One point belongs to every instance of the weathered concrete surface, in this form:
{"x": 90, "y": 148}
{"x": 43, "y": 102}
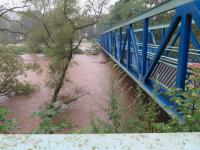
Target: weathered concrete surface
{"x": 180, "y": 141}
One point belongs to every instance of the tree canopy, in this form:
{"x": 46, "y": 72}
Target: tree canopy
{"x": 124, "y": 10}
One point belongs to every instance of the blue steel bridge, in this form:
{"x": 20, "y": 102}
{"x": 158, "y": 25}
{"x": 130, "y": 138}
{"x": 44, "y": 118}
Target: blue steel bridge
{"x": 158, "y": 54}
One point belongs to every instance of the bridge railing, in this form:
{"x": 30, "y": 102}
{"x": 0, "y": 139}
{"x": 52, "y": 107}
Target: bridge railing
{"x": 159, "y": 54}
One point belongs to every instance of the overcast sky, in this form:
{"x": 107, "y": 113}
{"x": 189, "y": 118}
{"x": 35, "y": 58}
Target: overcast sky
{"x": 15, "y": 3}
{"x": 18, "y": 2}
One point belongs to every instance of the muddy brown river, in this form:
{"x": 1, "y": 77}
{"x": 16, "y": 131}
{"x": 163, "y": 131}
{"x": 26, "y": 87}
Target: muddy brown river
{"x": 89, "y": 74}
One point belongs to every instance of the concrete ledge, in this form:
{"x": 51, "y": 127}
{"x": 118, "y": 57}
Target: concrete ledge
{"x": 174, "y": 141}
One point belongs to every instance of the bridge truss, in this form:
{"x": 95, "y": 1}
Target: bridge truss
{"x": 153, "y": 54}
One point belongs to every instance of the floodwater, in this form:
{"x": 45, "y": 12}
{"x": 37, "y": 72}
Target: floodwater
{"x": 89, "y": 75}
{"x": 22, "y": 107}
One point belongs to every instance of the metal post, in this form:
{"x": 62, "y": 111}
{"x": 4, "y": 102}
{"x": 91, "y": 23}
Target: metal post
{"x": 163, "y": 33}
{"x": 111, "y": 42}
{"x": 145, "y": 46}
{"x": 120, "y": 40}
{"x": 129, "y": 47}
{"x": 183, "y": 51}
{"x": 116, "y": 43}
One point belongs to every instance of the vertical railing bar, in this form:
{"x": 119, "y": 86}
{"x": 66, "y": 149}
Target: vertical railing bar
{"x": 135, "y": 48}
{"x": 129, "y": 46}
{"x": 145, "y": 36}
{"x": 124, "y": 46}
{"x": 120, "y": 50}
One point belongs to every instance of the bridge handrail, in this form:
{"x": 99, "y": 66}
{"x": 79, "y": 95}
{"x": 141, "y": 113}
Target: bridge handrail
{"x": 162, "y": 26}
{"x": 171, "y": 48}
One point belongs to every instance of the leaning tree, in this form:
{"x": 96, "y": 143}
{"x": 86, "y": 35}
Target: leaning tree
{"x": 61, "y": 30}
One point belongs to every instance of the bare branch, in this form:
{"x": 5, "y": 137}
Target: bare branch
{"x": 3, "y": 11}
{"x": 44, "y": 40}
{"x": 74, "y": 99}
{"x": 79, "y": 42}
{"x": 41, "y": 20}
{"x": 15, "y": 21}
{"x": 8, "y": 30}
{"x": 97, "y": 15}
{"x": 65, "y": 14}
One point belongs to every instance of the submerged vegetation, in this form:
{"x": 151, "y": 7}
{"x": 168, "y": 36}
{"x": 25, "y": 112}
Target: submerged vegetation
{"x": 138, "y": 116}
{"x": 142, "y": 116}
{"x": 12, "y": 68}
{"x": 51, "y": 121}
{"x": 6, "y": 124}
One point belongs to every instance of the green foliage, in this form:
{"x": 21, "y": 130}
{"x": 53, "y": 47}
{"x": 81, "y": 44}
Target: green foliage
{"x": 142, "y": 115}
{"x": 60, "y": 31}
{"x": 11, "y": 68}
{"x": 124, "y": 10}
{"x": 6, "y": 125}
{"x": 94, "y": 50}
{"x": 78, "y": 51}
{"x": 120, "y": 12}
{"x": 18, "y": 49}
{"x": 99, "y": 126}
{"x": 113, "y": 111}
{"x": 55, "y": 70}
{"x": 52, "y": 30}
{"x": 15, "y": 49}
{"x": 139, "y": 117}
{"x": 24, "y": 88}
{"x": 48, "y": 123}
{"x": 33, "y": 42}
{"x": 187, "y": 102}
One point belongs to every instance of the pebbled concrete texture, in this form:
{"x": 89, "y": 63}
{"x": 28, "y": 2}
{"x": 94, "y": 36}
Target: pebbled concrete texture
{"x": 174, "y": 141}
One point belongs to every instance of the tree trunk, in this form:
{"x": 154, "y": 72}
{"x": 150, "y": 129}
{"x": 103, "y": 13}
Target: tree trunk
{"x": 60, "y": 82}
{"x": 62, "y": 77}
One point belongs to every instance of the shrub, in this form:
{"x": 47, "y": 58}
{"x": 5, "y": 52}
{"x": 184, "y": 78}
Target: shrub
{"x": 187, "y": 102}
{"x": 78, "y": 51}
{"x": 113, "y": 111}
{"x": 142, "y": 116}
{"x": 6, "y": 125}
{"x": 11, "y": 68}
{"x": 48, "y": 123}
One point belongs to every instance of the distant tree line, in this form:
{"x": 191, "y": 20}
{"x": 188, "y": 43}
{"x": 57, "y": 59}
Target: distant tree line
{"x": 124, "y": 10}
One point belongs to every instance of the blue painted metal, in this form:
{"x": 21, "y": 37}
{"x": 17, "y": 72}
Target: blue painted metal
{"x": 163, "y": 32}
{"x": 194, "y": 40}
{"x": 153, "y": 37}
{"x": 163, "y": 45}
{"x": 133, "y": 40}
{"x": 124, "y": 46}
{"x": 145, "y": 47}
{"x": 120, "y": 40}
{"x": 129, "y": 48}
{"x": 174, "y": 41}
{"x": 175, "y": 38}
{"x": 183, "y": 51}
{"x": 146, "y": 62}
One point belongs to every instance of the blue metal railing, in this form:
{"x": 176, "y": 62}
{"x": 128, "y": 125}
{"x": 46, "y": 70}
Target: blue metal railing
{"x": 156, "y": 60}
